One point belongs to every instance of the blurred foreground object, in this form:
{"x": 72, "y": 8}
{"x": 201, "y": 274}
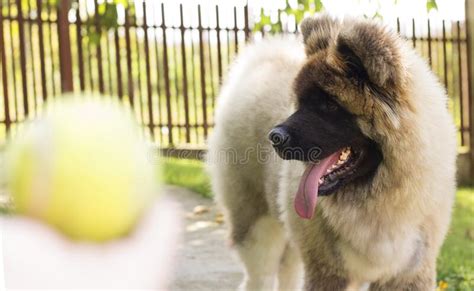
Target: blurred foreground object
{"x": 83, "y": 168}
{"x": 37, "y": 257}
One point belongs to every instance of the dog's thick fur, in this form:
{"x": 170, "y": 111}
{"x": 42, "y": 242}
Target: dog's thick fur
{"x": 384, "y": 234}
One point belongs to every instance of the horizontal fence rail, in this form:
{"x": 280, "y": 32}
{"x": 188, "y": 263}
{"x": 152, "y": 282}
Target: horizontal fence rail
{"x": 166, "y": 61}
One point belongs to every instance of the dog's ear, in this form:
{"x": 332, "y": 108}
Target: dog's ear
{"x": 370, "y": 55}
{"x": 319, "y": 32}
{"x": 370, "y": 51}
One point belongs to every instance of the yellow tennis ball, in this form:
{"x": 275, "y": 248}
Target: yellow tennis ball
{"x": 83, "y": 168}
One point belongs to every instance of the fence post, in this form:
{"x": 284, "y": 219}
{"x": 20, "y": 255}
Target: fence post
{"x": 3, "y": 69}
{"x": 21, "y": 35}
{"x": 202, "y": 71}
{"x": 246, "y": 22}
{"x": 98, "y": 30}
{"x": 65, "y": 55}
{"x": 470, "y": 47}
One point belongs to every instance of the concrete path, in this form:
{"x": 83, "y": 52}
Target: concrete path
{"x": 204, "y": 262}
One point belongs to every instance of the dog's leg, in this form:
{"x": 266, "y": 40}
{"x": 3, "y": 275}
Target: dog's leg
{"x": 325, "y": 282}
{"x": 322, "y": 272}
{"x": 423, "y": 280}
{"x": 291, "y": 271}
{"x": 261, "y": 253}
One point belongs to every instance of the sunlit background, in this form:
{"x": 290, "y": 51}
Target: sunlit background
{"x": 168, "y": 67}
{"x": 388, "y": 9}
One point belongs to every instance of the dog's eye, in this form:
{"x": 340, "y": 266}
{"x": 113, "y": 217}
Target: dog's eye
{"x": 330, "y": 106}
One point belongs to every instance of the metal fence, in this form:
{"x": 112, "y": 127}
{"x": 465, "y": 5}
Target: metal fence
{"x": 166, "y": 61}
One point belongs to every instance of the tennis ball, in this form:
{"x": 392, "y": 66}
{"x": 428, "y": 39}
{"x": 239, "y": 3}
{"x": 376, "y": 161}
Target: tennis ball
{"x": 83, "y": 168}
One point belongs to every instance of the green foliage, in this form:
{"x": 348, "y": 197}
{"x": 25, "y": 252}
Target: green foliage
{"x": 431, "y": 4}
{"x": 265, "y": 21}
{"x": 107, "y": 16}
{"x": 456, "y": 261}
{"x": 303, "y": 8}
{"x": 309, "y": 7}
{"x": 107, "y": 19}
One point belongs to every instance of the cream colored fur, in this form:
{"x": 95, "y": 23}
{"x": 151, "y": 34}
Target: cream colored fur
{"x": 391, "y": 237}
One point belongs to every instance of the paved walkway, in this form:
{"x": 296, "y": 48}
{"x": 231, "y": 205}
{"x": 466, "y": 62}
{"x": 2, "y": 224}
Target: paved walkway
{"x": 204, "y": 262}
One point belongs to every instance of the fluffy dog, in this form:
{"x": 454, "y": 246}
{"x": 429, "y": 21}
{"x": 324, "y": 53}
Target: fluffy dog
{"x": 338, "y": 153}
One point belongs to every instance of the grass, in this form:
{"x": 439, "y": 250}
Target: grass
{"x": 187, "y": 173}
{"x": 455, "y": 263}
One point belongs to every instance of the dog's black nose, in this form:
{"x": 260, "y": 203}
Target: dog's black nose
{"x": 279, "y": 137}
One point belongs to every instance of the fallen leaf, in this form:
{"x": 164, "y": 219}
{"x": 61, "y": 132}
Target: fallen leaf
{"x": 219, "y": 218}
{"x": 470, "y": 234}
{"x": 200, "y": 209}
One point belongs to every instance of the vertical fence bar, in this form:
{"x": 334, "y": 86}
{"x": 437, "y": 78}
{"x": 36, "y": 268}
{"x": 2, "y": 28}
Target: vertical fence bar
{"x": 151, "y": 123}
{"x": 203, "y": 72}
{"x": 12, "y": 50}
{"x": 166, "y": 75}
{"x": 246, "y": 22}
{"x": 413, "y": 33}
{"x": 195, "y": 93}
{"x": 89, "y": 64}
{"x": 430, "y": 61}
{"x": 445, "y": 57}
{"x": 280, "y": 24}
{"x": 228, "y": 44}
{"x": 6, "y": 102}
{"x": 219, "y": 49}
{"x": 32, "y": 56}
{"x": 51, "y": 50}
{"x": 109, "y": 61}
{"x": 21, "y": 36}
{"x": 118, "y": 65}
{"x": 469, "y": 8}
{"x": 285, "y": 29}
{"x": 461, "y": 111}
{"x": 158, "y": 80}
{"x": 176, "y": 85}
{"x": 80, "y": 53}
{"x": 65, "y": 55}
{"x": 44, "y": 88}
{"x": 398, "y": 25}
{"x": 211, "y": 70}
{"x": 185, "y": 75}
{"x": 437, "y": 40}
{"x": 453, "y": 60}
{"x": 139, "y": 71}
{"x": 129, "y": 59}
{"x": 236, "y": 31}
{"x": 99, "y": 47}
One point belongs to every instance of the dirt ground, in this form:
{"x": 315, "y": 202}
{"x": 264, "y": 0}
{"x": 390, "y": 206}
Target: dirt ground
{"x": 204, "y": 262}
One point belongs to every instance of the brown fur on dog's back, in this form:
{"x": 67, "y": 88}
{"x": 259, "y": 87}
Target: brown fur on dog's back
{"x": 385, "y": 232}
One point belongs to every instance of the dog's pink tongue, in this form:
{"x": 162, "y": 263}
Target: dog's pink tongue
{"x": 307, "y": 195}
